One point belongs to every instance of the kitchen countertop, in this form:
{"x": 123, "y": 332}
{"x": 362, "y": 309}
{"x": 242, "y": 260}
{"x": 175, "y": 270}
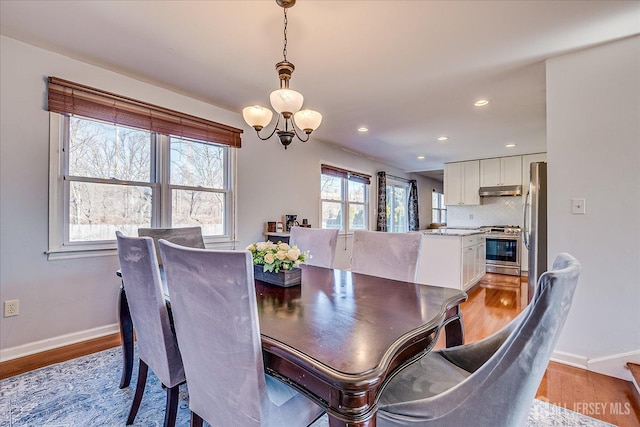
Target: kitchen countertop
{"x": 452, "y": 232}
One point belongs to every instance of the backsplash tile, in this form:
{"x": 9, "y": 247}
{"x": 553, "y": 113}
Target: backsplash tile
{"x": 492, "y": 211}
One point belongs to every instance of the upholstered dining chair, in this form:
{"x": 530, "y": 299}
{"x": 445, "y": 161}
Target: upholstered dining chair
{"x": 157, "y": 345}
{"x": 491, "y": 382}
{"x": 390, "y": 255}
{"x": 184, "y": 236}
{"x": 320, "y": 242}
{"x": 216, "y": 321}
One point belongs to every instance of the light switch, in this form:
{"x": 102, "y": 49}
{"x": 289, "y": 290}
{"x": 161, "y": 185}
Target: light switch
{"x": 577, "y": 206}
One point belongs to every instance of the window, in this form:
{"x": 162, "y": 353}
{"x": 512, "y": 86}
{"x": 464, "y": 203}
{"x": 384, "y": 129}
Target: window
{"x": 397, "y": 204}
{"x": 438, "y": 208}
{"x": 344, "y": 191}
{"x": 107, "y": 176}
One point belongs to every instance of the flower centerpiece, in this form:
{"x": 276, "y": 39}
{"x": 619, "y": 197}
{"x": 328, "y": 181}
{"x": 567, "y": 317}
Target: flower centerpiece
{"x": 276, "y": 262}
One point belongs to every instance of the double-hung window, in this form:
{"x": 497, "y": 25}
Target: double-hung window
{"x": 438, "y": 208}
{"x": 344, "y": 198}
{"x": 108, "y": 176}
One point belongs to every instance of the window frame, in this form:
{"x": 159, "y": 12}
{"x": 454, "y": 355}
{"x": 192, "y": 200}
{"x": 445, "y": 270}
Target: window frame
{"x": 392, "y": 183}
{"x": 60, "y": 247}
{"x": 440, "y": 207}
{"x": 345, "y": 200}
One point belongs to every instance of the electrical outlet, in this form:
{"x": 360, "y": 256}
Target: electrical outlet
{"x": 11, "y": 308}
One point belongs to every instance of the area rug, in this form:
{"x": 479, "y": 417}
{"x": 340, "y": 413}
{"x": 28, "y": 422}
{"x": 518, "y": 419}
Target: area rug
{"x": 84, "y": 392}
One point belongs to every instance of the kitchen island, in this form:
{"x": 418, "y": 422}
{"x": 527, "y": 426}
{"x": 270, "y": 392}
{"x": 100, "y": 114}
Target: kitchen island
{"x": 452, "y": 257}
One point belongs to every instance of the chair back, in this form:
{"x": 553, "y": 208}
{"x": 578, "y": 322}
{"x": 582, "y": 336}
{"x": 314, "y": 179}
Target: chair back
{"x": 500, "y": 391}
{"x": 390, "y": 255}
{"x": 321, "y": 244}
{"x": 157, "y": 345}
{"x": 184, "y": 236}
{"x": 216, "y": 319}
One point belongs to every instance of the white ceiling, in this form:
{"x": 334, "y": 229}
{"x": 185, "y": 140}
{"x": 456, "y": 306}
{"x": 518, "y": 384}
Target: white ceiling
{"x": 408, "y": 70}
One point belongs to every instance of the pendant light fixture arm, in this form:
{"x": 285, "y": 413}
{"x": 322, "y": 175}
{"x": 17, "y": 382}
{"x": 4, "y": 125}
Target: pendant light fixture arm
{"x": 272, "y": 132}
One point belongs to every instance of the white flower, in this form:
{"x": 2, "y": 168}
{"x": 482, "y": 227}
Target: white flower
{"x": 281, "y": 255}
{"x": 283, "y": 247}
{"x": 269, "y": 258}
{"x": 262, "y": 246}
{"x": 251, "y": 248}
{"x": 293, "y": 254}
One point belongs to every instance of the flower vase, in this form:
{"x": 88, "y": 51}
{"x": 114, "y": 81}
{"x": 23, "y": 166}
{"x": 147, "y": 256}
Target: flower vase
{"x": 284, "y": 278}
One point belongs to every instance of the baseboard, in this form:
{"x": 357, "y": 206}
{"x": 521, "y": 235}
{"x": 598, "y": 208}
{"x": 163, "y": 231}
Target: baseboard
{"x": 56, "y": 342}
{"x": 613, "y": 366}
{"x": 38, "y": 360}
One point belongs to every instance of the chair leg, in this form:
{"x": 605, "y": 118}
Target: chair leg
{"x": 196, "y": 420}
{"x": 143, "y": 368}
{"x": 171, "y": 409}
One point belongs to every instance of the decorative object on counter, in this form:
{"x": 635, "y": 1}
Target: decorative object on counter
{"x": 276, "y": 263}
{"x": 279, "y": 227}
{"x": 305, "y": 221}
{"x": 290, "y": 221}
{"x": 271, "y": 227}
{"x": 285, "y": 102}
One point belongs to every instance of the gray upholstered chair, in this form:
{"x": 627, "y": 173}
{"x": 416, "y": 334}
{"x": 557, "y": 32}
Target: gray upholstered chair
{"x": 216, "y": 321}
{"x": 491, "y": 382}
{"x": 157, "y": 345}
{"x": 321, "y": 244}
{"x": 390, "y": 255}
{"x": 185, "y": 236}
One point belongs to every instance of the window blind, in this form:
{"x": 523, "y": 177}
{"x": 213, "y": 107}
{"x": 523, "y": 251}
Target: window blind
{"x": 344, "y": 173}
{"x": 72, "y": 98}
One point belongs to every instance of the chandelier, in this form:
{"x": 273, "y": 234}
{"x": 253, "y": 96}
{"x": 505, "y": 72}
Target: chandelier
{"x": 285, "y": 102}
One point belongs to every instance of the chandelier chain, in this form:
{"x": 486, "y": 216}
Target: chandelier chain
{"x": 284, "y": 49}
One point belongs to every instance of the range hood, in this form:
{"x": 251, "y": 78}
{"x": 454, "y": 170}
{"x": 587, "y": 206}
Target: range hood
{"x": 503, "y": 190}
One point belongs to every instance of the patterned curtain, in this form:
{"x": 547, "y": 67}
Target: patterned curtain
{"x": 414, "y": 220}
{"x": 382, "y": 201}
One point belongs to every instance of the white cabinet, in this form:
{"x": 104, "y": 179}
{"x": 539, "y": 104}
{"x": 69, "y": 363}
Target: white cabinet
{"x": 461, "y": 183}
{"x": 501, "y": 171}
{"x": 526, "y": 166}
{"x": 452, "y": 260}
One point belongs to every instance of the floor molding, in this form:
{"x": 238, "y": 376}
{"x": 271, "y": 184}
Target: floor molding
{"x": 613, "y": 366}
{"x": 30, "y": 362}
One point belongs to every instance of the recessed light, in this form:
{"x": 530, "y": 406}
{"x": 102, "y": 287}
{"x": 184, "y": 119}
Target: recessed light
{"x": 481, "y": 102}
{"x": 443, "y": 138}
{"x": 363, "y": 129}
{"x": 420, "y": 157}
{"x": 510, "y": 145}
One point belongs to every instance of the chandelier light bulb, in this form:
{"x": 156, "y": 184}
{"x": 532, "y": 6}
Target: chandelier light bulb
{"x": 257, "y": 116}
{"x": 286, "y": 101}
{"x": 307, "y": 120}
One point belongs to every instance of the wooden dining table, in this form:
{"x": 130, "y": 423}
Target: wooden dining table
{"x": 340, "y": 336}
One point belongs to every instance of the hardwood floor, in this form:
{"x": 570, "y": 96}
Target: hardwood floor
{"x": 497, "y": 300}
{"x": 493, "y": 303}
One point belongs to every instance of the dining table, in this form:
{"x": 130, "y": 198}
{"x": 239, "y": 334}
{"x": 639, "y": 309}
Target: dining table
{"x": 339, "y": 336}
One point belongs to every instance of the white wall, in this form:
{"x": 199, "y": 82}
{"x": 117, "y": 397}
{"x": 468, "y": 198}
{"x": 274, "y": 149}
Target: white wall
{"x": 593, "y": 146}
{"x": 67, "y": 300}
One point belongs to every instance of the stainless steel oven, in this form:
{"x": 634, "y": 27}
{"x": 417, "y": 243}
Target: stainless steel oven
{"x": 503, "y": 250}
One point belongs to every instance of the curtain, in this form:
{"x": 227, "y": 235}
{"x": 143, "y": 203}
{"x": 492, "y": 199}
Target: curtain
{"x": 382, "y": 201}
{"x": 414, "y": 220}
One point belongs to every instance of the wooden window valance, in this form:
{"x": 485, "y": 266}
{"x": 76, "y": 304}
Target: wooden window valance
{"x": 72, "y": 98}
{"x": 347, "y": 174}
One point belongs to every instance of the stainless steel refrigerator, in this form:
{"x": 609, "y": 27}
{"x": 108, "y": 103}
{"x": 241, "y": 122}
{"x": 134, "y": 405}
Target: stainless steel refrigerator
{"x": 535, "y": 223}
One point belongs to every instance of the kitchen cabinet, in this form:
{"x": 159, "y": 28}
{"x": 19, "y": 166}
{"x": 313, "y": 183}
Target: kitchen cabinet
{"x": 461, "y": 183}
{"x": 526, "y": 164}
{"x": 501, "y": 171}
{"x": 452, "y": 258}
